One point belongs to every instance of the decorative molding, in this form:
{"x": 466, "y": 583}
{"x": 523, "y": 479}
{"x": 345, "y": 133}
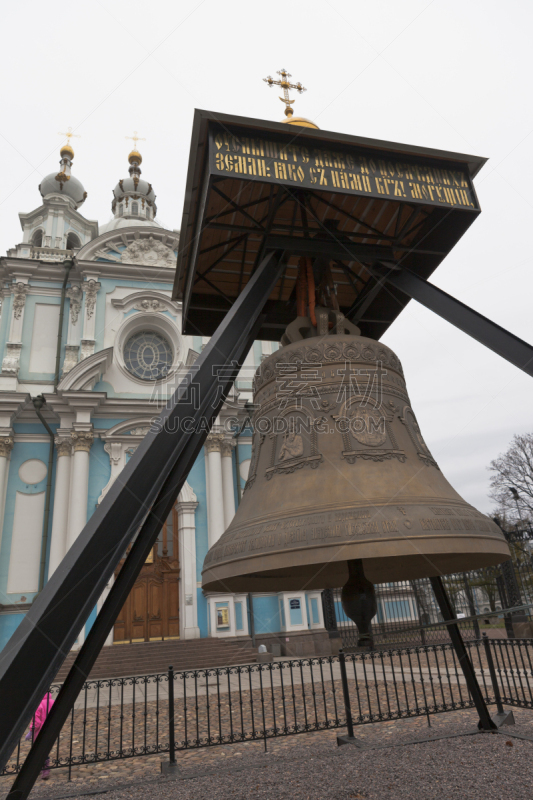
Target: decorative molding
{"x": 373, "y": 455}
{"x": 257, "y": 443}
{"x": 91, "y": 288}
{"x": 213, "y": 443}
{"x": 291, "y": 465}
{"x": 117, "y": 459}
{"x": 227, "y": 447}
{"x": 75, "y": 295}
{"x": 149, "y": 305}
{"x": 82, "y": 440}
{"x": 20, "y": 291}
{"x": 147, "y": 301}
{"x": 87, "y": 348}
{"x": 339, "y": 349}
{"x": 88, "y": 371}
{"x": 148, "y": 252}
{"x": 6, "y": 446}
{"x": 187, "y": 496}
{"x": 63, "y": 446}
{"x": 11, "y": 362}
{"x": 71, "y": 357}
{"x": 410, "y": 421}
{"x": 109, "y": 246}
{"x": 114, "y": 451}
{"x": 127, "y": 429}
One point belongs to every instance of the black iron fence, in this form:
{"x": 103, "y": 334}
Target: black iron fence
{"x": 408, "y": 613}
{"x": 131, "y": 717}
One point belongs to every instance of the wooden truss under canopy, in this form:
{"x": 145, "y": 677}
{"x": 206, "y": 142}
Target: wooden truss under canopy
{"x": 345, "y": 201}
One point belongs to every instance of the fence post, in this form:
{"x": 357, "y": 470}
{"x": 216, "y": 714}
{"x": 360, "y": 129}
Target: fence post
{"x": 330, "y": 619}
{"x": 350, "y": 739}
{"x": 502, "y": 717}
{"x": 471, "y": 605}
{"x": 504, "y": 601}
{"x": 170, "y": 766}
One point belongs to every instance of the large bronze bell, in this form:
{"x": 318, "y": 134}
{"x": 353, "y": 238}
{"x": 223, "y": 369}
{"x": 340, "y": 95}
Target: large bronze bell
{"x": 340, "y": 474}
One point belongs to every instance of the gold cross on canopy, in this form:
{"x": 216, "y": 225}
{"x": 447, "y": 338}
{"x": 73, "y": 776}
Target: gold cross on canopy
{"x": 285, "y": 85}
{"x": 69, "y": 135}
{"x": 136, "y": 138}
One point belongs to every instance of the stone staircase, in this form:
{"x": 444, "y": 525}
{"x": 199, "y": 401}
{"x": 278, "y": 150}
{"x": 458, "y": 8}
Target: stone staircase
{"x": 145, "y": 658}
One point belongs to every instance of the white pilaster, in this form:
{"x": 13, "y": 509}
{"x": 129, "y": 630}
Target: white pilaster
{"x": 187, "y": 504}
{"x": 6, "y": 446}
{"x": 228, "y": 487}
{"x": 58, "y": 540}
{"x": 90, "y": 288}
{"x": 72, "y": 347}
{"x": 215, "y": 499}
{"x": 79, "y": 486}
{"x": 11, "y": 362}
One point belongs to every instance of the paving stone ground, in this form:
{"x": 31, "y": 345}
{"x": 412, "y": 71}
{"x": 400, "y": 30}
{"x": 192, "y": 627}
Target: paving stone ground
{"x": 287, "y": 698}
{"x": 312, "y": 767}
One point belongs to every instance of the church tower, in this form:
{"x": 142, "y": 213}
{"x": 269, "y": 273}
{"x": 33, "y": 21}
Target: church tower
{"x": 56, "y": 228}
{"x": 91, "y": 348}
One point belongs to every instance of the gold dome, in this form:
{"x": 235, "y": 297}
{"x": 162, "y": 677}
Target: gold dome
{"x": 301, "y": 121}
{"x": 135, "y": 156}
{"x": 67, "y": 152}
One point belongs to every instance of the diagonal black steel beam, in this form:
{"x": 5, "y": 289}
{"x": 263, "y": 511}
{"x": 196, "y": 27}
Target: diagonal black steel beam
{"x": 222, "y": 243}
{"x": 34, "y": 653}
{"x": 239, "y": 209}
{"x": 217, "y": 261}
{"x": 497, "y": 339}
{"x": 249, "y": 204}
{"x": 448, "y": 613}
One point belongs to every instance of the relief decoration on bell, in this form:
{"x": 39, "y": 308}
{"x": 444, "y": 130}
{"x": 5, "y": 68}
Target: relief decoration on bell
{"x": 340, "y": 471}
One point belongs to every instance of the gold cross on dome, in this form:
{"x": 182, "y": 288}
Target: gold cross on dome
{"x": 285, "y": 85}
{"x": 69, "y": 135}
{"x": 136, "y": 138}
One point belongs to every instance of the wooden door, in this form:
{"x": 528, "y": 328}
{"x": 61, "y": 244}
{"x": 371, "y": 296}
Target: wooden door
{"x": 151, "y": 611}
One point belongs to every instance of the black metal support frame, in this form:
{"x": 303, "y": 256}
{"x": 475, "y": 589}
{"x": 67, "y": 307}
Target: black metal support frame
{"x": 141, "y": 497}
{"x": 140, "y": 500}
{"x": 497, "y": 339}
{"x": 447, "y": 611}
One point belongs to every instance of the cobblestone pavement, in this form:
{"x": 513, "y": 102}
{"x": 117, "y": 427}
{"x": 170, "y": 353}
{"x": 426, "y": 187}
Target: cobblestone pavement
{"x": 219, "y": 716}
{"x": 287, "y": 696}
{"x": 312, "y": 767}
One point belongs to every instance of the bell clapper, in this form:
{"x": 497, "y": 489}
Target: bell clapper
{"x": 359, "y": 602}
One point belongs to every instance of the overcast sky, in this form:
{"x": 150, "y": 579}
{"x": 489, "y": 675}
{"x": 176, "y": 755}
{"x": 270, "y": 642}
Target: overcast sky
{"x": 450, "y": 74}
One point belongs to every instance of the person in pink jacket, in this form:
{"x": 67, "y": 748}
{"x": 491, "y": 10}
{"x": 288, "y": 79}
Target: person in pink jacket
{"x": 37, "y": 723}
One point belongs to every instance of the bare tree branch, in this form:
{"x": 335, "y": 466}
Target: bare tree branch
{"x": 513, "y": 470}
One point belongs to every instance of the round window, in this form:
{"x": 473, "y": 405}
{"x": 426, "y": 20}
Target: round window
{"x": 148, "y": 355}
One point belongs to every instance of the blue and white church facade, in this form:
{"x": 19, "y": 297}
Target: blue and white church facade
{"x": 88, "y": 326}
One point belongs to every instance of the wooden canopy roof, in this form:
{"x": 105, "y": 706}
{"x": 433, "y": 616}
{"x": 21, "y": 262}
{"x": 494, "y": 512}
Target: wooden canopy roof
{"x": 346, "y": 201}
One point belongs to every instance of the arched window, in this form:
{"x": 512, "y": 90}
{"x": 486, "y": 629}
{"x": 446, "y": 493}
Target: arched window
{"x": 135, "y": 208}
{"x": 73, "y": 242}
{"x": 147, "y": 212}
{"x": 37, "y": 239}
{"x": 120, "y": 210}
